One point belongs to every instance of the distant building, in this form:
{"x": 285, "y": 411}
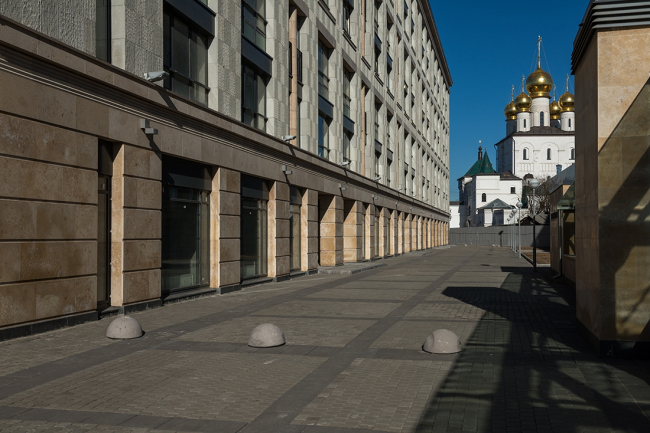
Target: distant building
{"x": 454, "y": 208}
{"x": 540, "y": 132}
{"x": 482, "y": 191}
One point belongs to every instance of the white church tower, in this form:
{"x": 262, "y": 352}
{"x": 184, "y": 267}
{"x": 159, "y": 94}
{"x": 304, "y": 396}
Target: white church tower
{"x": 539, "y": 85}
{"x": 568, "y": 115}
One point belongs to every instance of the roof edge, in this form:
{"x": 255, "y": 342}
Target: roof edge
{"x": 606, "y": 15}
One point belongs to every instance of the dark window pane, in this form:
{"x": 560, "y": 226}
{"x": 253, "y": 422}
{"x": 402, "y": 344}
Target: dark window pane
{"x": 185, "y": 238}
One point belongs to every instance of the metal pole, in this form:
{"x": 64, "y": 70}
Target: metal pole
{"x": 534, "y": 236}
{"x": 519, "y": 232}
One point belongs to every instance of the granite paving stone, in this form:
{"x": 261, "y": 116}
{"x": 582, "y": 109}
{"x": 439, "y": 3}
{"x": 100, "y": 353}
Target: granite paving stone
{"x": 352, "y": 363}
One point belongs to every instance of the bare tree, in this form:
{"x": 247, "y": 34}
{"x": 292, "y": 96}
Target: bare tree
{"x": 542, "y": 196}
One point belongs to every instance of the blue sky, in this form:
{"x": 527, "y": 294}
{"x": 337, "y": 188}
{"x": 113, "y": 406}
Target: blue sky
{"x": 489, "y": 45}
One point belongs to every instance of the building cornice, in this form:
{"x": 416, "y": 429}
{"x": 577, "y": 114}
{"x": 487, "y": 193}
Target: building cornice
{"x": 437, "y": 44}
{"x": 607, "y": 15}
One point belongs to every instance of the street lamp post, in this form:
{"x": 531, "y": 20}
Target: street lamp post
{"x": 519, "y": 205}
{"x": 534, "y": 183}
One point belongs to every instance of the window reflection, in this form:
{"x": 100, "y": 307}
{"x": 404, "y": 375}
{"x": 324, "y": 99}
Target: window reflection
{"x": 185, "y": 238}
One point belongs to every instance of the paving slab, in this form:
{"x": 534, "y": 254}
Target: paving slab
{"x": 352, "y": 363}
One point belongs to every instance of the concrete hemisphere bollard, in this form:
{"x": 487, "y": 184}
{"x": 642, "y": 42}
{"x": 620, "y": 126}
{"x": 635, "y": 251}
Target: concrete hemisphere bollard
{"x": 124, "y": 328}
{"x": 266, "y": 335}
{"x": 442, "y": 341}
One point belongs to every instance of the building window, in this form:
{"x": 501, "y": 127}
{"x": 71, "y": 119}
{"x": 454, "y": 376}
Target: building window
{"x": 347, "y": 83}
{"x": 377, "y": 54}
{"x": 484, "y": 197}
{"x": 253, "y": 107}
{"x": 524, "y": 123}
{"x": 569, "y": 123}
{"x": 377, "y": 157}
{"x": 254, "y": 200}
{"x": 512, "y": 190}
{"x": 388, "y": 168}
{"x": 548, "y": 154}
{"x": 323, "y": 144}
{"x": 347, "y": 137}
{"x": 104, "y": 173}
{"x": 323, "y": 80}
{"x": 185, "y": 59}
{"x": 541, "y": 118}
{"x": 406, "y": 11}
{"x": 254, "y": 22}
{"x": 294, "y": 228}
{"x": 347, "y": 13}
{"x": 103, "y": 30}
{"x": 185, "y": 238}
{"x": 573, "y": 154}
{"x": 525, "y": 154}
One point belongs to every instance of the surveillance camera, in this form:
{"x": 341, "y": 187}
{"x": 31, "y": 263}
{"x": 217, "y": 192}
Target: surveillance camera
{"x": 288, "y": 137}
{"x": 345, "y": 163}
{"x": 377, "y": 178}
{"x": 152, "y": 77}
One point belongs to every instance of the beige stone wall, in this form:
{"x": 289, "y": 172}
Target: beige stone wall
{"x": 135, "y": 225}
{"x": 225, "y": 231}
{"x": 352, "y": 231}
{"x": 278, "y": 230}
{"x": 48, "y": 221}
{"x": 331, "y": 230}
{"x": 611, "y": 186}
{"x": 309, "y": 230}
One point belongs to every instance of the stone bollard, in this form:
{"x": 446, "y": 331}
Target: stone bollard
{"x": 266, "y": 335}
{"x": 124, "y": 328}
{"x": 442, "y": 341}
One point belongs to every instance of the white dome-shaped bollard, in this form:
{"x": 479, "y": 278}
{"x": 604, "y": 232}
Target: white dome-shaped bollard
{"x": 442, "y": 341}
{"x": 124, "y": 328}
{"x": 266, "y": 335}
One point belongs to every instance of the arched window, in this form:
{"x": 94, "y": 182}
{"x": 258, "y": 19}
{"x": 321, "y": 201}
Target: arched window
{"x": 548, "y": 154}
{"x": 541, "y": 118}
{"x": 525, "y": 154}
{"x": 484, "y": 197}
{"x": 573, "y": 154}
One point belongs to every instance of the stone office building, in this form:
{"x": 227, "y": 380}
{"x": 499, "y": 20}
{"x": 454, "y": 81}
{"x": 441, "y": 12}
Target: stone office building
{"x": 282, "y": 136}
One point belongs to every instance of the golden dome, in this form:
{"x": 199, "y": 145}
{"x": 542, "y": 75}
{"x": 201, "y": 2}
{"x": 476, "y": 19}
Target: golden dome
{"x": 510, "y": 111}
{"x": 567, "y": 102}
{"x": 522, "y": 103}
{"x": 555, "y": 110}
{"x": 539, "y": 84}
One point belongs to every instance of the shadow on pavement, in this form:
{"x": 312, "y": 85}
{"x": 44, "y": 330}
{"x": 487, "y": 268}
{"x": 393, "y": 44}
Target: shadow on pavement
{"x": 525, "y": 368}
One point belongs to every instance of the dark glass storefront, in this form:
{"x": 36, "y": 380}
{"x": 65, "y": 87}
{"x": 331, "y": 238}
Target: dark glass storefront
{"x": 185, "y": 225}
{"x": 104, "y": 173}
{"x": 254, "y": 243}
{"x": 294, "y": 228}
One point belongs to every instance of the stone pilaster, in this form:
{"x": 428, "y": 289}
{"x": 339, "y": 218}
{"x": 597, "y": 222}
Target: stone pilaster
{"x": 225, "y": 202}
{"x": 136, "y": 225}
{"x": 331, "y": 230}
{"x": 408, "y": 238}
{"x": 400, "y": 233}
{"x": 352, "y": 231}
{"x": 309, "y": 230}
{"x": 278, "y": 230}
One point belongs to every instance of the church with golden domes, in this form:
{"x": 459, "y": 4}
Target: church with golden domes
{"x": 539, "y": 142}
{"x": 540, "y": 131}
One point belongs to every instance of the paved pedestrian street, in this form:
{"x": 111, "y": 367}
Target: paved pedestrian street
{"x": 352, "y": 363}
